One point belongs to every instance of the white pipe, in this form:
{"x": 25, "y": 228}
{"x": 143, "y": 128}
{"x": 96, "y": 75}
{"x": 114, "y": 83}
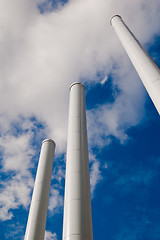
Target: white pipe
{"x": 77, "y": 221}
{"x": 142, "y": 61}
{"x": 38, "y": 210}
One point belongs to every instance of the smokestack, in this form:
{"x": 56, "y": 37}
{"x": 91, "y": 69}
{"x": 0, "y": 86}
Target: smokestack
{"x": 145, "y": 66}
{"x": 38, "y": 210}
{"x": 77, "y": 221}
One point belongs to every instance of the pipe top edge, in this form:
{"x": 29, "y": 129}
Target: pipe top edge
{"x": 75, "y": 84}
{"x": 48, "y": 140}
{"x": 116, "y": 15}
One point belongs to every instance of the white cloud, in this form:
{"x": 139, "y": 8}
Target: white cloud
{"x": 95, "y": 174}
{"x": 103, "y": 81}
{"x": 50, "y": 236}
{"x": 41, "y": 55}
{"x": 15, "y": 193}
{"x": 115, "y": 118}
{"x": 15, "y": 231}
{"x": 16, "y": 154}
{"x": 55, "y": 201}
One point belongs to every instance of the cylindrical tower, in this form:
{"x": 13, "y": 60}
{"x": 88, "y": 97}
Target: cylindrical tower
{"x": 143, "y": 63}
{"x": 38, "y": 210}
{"x": 77, "y": 222}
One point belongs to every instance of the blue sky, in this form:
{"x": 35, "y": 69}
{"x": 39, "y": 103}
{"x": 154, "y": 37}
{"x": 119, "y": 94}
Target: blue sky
{"x": 45, "y": 46}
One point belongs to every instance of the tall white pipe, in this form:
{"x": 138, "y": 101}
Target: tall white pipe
{"x": 143, "y": 63}
{"x": 77, "y": 221}
{"x": 38, "y": 210}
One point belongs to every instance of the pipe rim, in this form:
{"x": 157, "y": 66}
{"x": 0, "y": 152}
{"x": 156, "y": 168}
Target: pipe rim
{"x": 81, "y": 84}
{"x": 115, "y": 15}
{"x": 48, "y": 140}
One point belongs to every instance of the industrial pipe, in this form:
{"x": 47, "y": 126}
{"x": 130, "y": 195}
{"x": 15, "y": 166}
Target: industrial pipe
{"x": 38, "y": 210}
{"x": 77, "y": 220}
{"x": 147, "y": 69}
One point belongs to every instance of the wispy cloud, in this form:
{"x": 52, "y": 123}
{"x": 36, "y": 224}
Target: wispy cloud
{"x": 50, "y": 236}
{"x": 41, "y": 55}
{"x": 15, "y": 192}
{"x": 14, "y": 231}
{"x": 55, "y": 201}
{"x": 17, "y": 152}
{"x": 95, "y": 173}
{"x": 37, "y": 47}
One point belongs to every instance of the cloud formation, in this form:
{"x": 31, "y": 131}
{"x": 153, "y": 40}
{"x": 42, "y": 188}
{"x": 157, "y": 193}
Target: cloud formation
{"x": 16, "y": 162}
{"x": 41, "y": 55}
{"x": 44, "y": 53}
{"x": 50, "y": 236}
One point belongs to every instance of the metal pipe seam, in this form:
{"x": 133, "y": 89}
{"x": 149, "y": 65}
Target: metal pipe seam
{"x": 76, "y": 237}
